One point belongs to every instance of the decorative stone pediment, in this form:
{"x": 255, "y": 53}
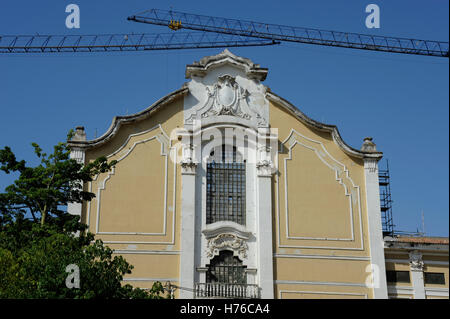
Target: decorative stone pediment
{"x": 227, "y": 241}
{"x": 226, "y": 95}
{"x": 226, "y": 89}
{"x": 217, "y": 228}
{"x": 227, "y": 98}
{"x": 206, "y": 64}
{"x": 226, "y": 235}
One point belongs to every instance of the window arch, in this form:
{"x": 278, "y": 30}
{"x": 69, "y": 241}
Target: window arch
{"x": 225, "y": 186}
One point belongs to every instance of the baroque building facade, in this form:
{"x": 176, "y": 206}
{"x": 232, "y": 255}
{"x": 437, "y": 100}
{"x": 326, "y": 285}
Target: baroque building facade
{"x": 225, "y": 189}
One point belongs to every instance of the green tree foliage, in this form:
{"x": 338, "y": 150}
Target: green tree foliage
{"x": 39, "y": 239}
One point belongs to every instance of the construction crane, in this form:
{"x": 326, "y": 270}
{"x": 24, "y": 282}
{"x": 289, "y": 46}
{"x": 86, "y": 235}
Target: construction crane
{"x": 181, "y": 20}
{"x": 215, "y": 33}
{"x": 123, "y": 42}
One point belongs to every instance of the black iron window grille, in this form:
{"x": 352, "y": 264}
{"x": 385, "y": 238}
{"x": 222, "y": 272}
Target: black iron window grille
{"x": 226, "y": 268}
{"x": 225, "y": 187}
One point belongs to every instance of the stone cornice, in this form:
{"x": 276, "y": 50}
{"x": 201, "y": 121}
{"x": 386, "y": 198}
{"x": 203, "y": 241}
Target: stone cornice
{"x": 322, "y": 127}
{"x": 118, "y": 121}
{"x": 393, "y": 244}
{"x": 201, "y": 68}
{"x": 221, "y": 227}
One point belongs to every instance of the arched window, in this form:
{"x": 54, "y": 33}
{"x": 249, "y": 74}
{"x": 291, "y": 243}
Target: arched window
{"x": 225, "y": 186}
{"x": 226, "y": 268}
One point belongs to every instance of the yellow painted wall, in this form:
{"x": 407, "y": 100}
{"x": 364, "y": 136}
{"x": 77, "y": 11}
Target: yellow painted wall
{"x": 137, "y": 206}
{"x": 319, "y": 292}
{"x": 325, "y": 214}
{"x": 436, "y": 297}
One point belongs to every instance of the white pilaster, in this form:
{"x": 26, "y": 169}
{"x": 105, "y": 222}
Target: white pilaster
{"x": 264, "y": 224}
{"x": 416, "y": 267}
{"x": 187, "y": 255}
{"x": 376, "y": 244}
{"x": 77, "y": 154}
{"x": 202, "y": 273}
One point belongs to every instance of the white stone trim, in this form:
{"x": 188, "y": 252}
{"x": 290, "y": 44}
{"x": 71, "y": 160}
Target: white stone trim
{"x": 214, "y": 107}
{"x": 151, "y": 279}
{"x": 279, "y": 255}
{"x": 319, "y": 283}
{"x": 403, "y": 290}
{"x": 339, "y": 169}
{"x": 118, "y": 121}
{"x": 172, "y": 242}
{"x": 265, "y": 235}
{"x": 406, "y": 252}
{"x": 77, "y": 154}
{"x": 376, "y": 243}
{"x": 426, "y": 249}
{"x": 164, "y": 140}
{"x": 222, "y": 227}
{"x": 102, "y": 186}
{"x": 88, "y": 204}
{"x": 227, "y": 241}
{"x": 146, "y": 252}
{"x": 321, "y": 293}
{"x": 438, "y": 292}
{"x": 426, "y": 262}
{"x": 320, "y": 155}
{"x": 249, "y": 107}
{"x": 416, "y": 261}
{"x": 332, "y": 129}
{"x": 204, "y": 232}
{"x": 417, "y": 277}
{"x": 188, "y": 232}
{"x": 209, "y": 63}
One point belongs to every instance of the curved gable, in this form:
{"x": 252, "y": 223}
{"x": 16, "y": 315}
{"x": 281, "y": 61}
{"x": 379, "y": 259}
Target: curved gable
{"x": 332, "y": 129}
{"x": 120, "y": 121}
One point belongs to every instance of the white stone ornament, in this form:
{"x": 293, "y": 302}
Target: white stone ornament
{"x": 264, "y": 164}
{"x": 188, "y": 166}
{"x": 227, "y": 97}
{"x": 416, "y": 262}
{"x": 226, "y": 89}
{"x": 227, "y": 241}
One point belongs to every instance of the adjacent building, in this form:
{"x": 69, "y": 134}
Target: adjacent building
{"x": 417, "y": 267}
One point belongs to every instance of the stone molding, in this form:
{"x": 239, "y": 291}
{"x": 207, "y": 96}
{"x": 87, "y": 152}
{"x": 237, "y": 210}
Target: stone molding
{"x": 227, "y": 241}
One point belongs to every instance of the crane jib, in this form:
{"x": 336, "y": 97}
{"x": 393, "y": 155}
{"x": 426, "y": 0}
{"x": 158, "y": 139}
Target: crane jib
{"x": 123, "y": 42}
{"x": 260, "y": 30}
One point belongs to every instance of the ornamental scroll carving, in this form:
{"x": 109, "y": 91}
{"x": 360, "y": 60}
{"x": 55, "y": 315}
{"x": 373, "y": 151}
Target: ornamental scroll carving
{"x": 227, "y": 241}
{"x": 416, "y": 262}
{"x": 227, "y": 97}
{"x": 188, "y": 166}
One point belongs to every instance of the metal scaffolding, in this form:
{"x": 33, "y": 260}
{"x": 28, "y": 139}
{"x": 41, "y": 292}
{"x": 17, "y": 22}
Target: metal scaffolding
{"x": 386, "y": 201}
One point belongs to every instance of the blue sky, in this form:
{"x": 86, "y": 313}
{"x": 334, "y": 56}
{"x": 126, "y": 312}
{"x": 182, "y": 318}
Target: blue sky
{"x": 401, "y": 101}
